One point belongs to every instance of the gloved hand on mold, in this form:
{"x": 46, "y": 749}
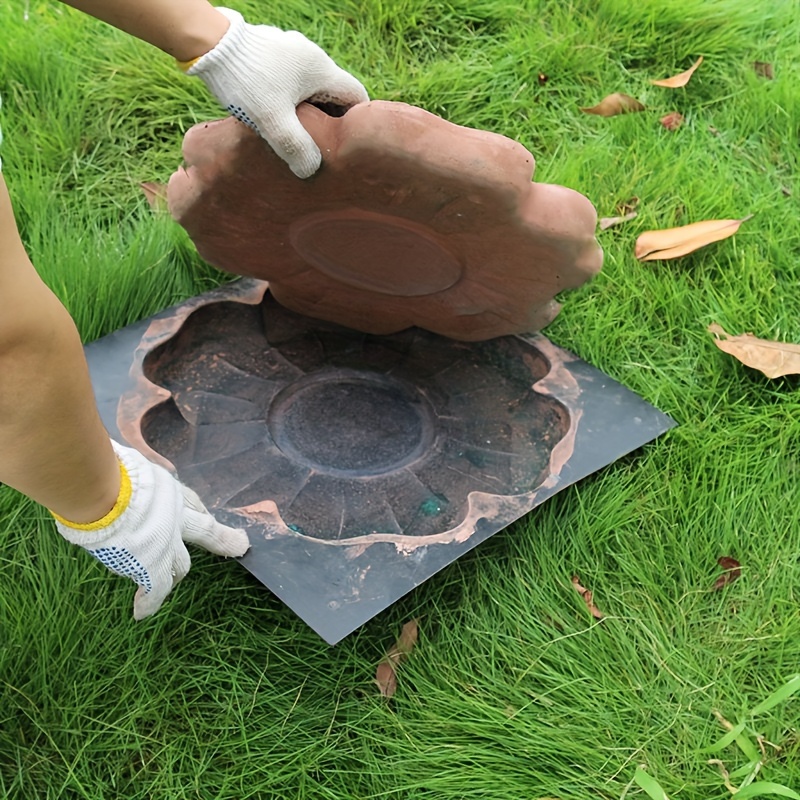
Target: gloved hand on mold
{"x": 260, "y": 74}
{"x": 142, "y": 537}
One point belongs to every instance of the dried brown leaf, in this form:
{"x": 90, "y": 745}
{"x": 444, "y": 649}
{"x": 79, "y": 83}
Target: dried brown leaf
{"x": 676, "y": 81}
{"x": 614, "y": 104}
{"x": 610, "y": 222}
{"x": 762, "y": 740}
{"x": 676, "y": 242}
{"x": 730, "y": 563}
{"x": 386, "y": 678}
{"x": 408, "y": 639}
{"x": 672, "y": 121}
{"x": 726, "y": 778}
{"x": 774, "y": 359}
{"x": 156, "y": 194}
{"x": 386, "y": 674}
{"x": 733, "y": 570}
{"x": 764, "y": 69}
{"x": 722, "y": 721}
{"x": 586, "y": 594}
{"x": 631, "y": 204}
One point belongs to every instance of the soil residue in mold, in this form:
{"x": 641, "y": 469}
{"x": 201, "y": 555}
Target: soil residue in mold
{"x": 350, "y": 434}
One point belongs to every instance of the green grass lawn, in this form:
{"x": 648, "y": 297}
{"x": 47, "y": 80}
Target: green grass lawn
{"x": 514, "y": 691}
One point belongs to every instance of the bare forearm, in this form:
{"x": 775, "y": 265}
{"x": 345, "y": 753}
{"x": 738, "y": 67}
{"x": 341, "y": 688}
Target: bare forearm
{"x": 185, "y": 29}
{"x": 53, "y": 446}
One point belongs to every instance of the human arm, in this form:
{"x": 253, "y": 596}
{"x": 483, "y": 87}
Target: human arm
{"x": 258, "y": 73}
{"x": 184, "y": 29}
{"x": 53, "y": 446}
{"x": 130, "y": 514}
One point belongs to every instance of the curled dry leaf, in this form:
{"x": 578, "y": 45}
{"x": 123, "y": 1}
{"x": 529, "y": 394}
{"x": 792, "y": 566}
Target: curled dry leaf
{"x": 676, "y": 81}
{"x": 722, "y": 721}
{"x": 626, "y": 206}
{"x": 774, "y": 359}
{"x": 726, "y": 778}
{"x": 586, "y": 594}
{"x": 386, "y": 674}
{"x": 610, "y": 222}
{"x": 733, "y": 570}
{"x": 764, "y": 69}
{"x": 672, "y": 121}
{"x": 156, "y": 194}
{"x": 386, "y": 678}
{"x": 614, "y": 104}
{"x": 676, "y": 242}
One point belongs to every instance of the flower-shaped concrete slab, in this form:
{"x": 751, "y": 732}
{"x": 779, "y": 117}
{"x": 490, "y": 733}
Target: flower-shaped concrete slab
{"x": 411, "y": 221}
{"x": 360, "y": 464}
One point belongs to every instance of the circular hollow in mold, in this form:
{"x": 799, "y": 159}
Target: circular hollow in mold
{"x": 387, "y": 424}
{"x": 348, "y": 433}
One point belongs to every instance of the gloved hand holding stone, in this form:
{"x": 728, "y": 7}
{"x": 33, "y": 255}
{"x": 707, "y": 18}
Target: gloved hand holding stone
{"x": 260, "y": 74}
{"x": 143, "y": 536}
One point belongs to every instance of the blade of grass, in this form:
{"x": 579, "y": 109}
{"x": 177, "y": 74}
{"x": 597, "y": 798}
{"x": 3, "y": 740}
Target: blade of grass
{"x": 763, "y": 788}
{"x": 650, "y": 785}
{"x": 777, "y": 697}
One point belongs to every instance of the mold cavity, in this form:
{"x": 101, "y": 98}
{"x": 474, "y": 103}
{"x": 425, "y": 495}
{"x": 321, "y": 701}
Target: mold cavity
{"x": 346, "y": 432}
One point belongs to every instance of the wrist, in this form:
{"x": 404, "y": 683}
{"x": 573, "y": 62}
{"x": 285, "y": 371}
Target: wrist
{"x": 200, "y": 35}
{"x": 229, "y": 42}
{"x": 106, "y": 510}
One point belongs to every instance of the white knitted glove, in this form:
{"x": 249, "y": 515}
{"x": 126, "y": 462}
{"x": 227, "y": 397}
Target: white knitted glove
{"x": 261, "y": 74}
{"x": 142, "y": 537}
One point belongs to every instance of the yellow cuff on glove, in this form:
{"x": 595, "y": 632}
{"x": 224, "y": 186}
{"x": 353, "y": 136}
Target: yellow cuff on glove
{"x": 123, "y": 499}
{"x": 185, "y": 66}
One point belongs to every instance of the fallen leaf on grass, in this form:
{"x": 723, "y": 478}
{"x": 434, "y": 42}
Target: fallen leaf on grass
{"x": 156, "y": 194}
{"x": 586, "y": 594}
{"x": 676, "y": 81}
{"x": 726, "y": 778}
{"x": 610, "y": 222}
{"x": 774, "y": 359}
{"x": 676, "y": 242}
{"x": 733, "y": 570}
{"x": 386, "y": 674}
{"x": 672, "y": 121}
{"x": 764, "y": 69}
{"x": 762, "y": 740}
{"x": 729, "y": 726}
{"x": 614, "y": 104}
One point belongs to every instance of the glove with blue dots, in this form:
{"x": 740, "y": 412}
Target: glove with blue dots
{"x": 260, "y": 74}
{"x": 142, "y": 537}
